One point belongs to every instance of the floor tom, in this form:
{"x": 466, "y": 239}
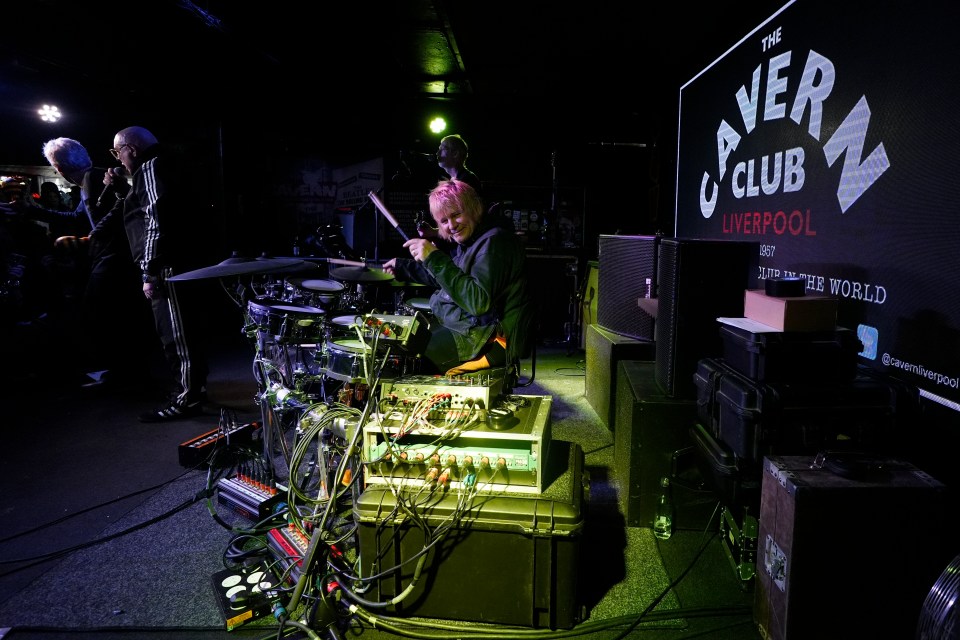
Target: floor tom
{"x": 343, "y": 359}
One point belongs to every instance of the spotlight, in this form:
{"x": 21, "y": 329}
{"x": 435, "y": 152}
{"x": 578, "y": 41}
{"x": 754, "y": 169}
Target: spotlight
{"x": 49, "y": 113}
{"x": 438, "y": 124}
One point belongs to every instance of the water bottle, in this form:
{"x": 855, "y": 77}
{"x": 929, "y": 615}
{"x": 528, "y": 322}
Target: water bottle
{"x": 663, "y": 518}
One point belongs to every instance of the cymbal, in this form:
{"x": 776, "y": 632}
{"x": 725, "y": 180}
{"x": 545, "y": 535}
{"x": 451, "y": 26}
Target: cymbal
{"x": 401, "y": 283}
{"x": 238, "y": 266}
{"x": 360, "y": 274}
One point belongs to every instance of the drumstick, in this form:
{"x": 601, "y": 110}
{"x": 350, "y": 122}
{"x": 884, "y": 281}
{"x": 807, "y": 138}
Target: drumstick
{"x": 351, "y": 263}
{"x": 387, "y": 215}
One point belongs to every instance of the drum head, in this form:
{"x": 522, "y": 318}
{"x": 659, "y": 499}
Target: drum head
{"x": 263, "y": 303}
{"x": 348, "y": 345}
{"x": 347, "y": 320}
{"x": 313, "y": 284}
{"x": 279, "y": 307}
{"x": 296, "y": 310}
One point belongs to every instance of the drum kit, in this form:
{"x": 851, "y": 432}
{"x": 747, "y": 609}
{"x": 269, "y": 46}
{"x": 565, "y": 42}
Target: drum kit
{"x": 307, "y": 330}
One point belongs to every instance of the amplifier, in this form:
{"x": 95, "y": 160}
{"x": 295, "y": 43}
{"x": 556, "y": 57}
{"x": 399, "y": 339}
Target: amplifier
{"x": 442, "y": 447}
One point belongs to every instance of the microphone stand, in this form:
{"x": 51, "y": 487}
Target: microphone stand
{"x": 571, "y": 327}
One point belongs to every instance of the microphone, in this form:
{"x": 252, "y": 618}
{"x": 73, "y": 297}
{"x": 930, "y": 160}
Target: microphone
{"x": 110, "y": 189}
{"x": 417, "y": 153}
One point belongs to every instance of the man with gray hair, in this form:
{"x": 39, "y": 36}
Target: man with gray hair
{"x": 109, "y": 315}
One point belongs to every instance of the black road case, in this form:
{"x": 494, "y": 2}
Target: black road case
{"x": 756, "y": 419}
{"x": 743, "y": 420}
{"x": 505, "y": 559}
{"x": 792, "y": 356}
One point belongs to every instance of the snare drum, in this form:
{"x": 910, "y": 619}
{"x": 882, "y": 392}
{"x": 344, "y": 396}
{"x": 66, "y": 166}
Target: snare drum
{"x": 343, "y": 360}
{"x": 411, "y": 306}
{"x": 324, "y": 294}
{"x": 342, "y": 326}
{"x": 286, "y": 322}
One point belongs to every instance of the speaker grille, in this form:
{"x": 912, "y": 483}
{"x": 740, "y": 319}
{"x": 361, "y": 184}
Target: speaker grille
{"x": 627, "y": 266}
{"x": 698, "y": 282}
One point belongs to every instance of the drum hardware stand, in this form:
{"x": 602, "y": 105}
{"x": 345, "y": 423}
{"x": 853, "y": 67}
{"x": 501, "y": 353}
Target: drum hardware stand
{"x": 572, "y": 327}
{"x": 571, "y": 336}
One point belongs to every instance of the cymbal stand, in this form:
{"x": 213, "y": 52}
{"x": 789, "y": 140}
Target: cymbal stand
{"x": 264, "y": 373}
{"x": 572, "y": 326}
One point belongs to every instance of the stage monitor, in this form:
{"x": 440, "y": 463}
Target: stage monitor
{"x": 828, "y": 136}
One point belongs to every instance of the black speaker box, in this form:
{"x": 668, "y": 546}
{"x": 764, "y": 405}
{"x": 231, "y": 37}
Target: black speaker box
{"x": 651, "y": 440}
{"x": 698, "y": 280}
{"x": 604, "y": 349}
{"x": 628, "y": 271}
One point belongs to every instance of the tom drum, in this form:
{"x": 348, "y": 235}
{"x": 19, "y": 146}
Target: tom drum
{"x": 323, "y": 294}
{"x": 286, "y": 322}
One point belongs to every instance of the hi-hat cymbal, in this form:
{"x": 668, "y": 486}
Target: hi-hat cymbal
{"x": 401, "y": 283}
{"x": 238, "y": 266}
{"x": 360, "y": 274}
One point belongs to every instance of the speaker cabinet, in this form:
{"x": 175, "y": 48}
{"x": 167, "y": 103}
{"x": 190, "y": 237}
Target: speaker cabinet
{"x": 604, "y": 349}
{"x": 650, "y": 436}
{"x": 698, "y": 281}
{"x": 848, "y": 549}
{"x": 628, "y": 271}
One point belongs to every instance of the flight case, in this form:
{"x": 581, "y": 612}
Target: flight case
{"x": 743, "y": 420}
{"x": 792, "y": 356}
{"x": 506, "y": 558}
{"x": 849, "y": 546}
{"x": 755, "y": 419}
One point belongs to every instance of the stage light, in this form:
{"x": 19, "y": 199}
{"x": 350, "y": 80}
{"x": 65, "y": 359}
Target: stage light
{"x": 50, "y": 113}
{"x": 438, "y": 124}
